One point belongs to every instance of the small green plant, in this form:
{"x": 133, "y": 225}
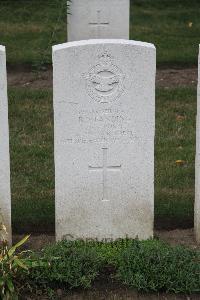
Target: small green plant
{"x": 69, "y": 264}
{"x": 151, "y": 266}
{"x": 11, "y": 263}
{"x": 156, "y": 266}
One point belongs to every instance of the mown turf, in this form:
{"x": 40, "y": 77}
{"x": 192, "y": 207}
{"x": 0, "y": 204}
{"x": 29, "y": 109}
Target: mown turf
{"x": 32, "y": 168}
{"x": 172, "y": 25}
{"x": 30, "y": 28}
{"x": 174, "y": 156}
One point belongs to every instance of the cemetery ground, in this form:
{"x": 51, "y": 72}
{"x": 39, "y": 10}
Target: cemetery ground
{"x": 31, "y": 129}
{"x": 29, "y": 28}
{"x": 31, "y": 135}
{"x": 32, "y": 177}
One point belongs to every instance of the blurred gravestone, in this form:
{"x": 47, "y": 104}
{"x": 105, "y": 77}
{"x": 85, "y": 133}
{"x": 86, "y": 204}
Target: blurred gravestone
{"x": 5, "y": 198}
{"x": 95, "y": 19}
{"x": 197, "y": 165}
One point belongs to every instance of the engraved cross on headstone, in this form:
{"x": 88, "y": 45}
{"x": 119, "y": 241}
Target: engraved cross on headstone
{"x": 105, "y": 168}
{"x": 99, "y": 24}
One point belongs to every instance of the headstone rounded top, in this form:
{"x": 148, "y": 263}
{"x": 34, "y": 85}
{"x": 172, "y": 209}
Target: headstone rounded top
{"x": 102, "y": 41}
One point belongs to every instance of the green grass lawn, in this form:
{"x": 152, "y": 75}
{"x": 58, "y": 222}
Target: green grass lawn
{"x": 172, "y": 25}
{"x": 32, "y": 169}
{"x": 175, "y": 140}
{"x": 29, "y": 28}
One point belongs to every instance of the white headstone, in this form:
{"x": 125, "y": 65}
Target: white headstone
{"x": 5, "y": 198}
{"x": 98, "y": 19}
{"x": 104, "y": 94}
{"x": 197, "y": 164}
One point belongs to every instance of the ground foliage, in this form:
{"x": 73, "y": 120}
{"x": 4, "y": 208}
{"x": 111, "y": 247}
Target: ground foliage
{"x": 12, "y": 264}
{"x": 150, "y": 266}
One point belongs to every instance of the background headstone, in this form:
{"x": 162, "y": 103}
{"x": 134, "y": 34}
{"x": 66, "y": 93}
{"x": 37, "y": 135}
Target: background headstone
{"x": 104, "y": 109}
{"x": 5, "y": 198}
{"x": 95, "y": 19}
{"x": 197, "y": 164}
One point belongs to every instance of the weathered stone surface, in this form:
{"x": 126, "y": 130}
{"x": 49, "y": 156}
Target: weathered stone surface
{"x": 5, "y": 198}
{"x": 95, "y": 19}
{"x": 104, "y": 94}
{"x": 197, "y": 164}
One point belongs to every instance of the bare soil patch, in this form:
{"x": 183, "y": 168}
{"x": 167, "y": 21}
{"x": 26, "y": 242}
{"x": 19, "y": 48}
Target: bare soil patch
{"x": 171, "y": 78}
{"x": 175, "y": 237}
{"x": 32, "y": 79}
{"x": 168, "y": 78}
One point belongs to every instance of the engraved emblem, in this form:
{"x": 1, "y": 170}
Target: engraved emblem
{"x": 105, "y": 80}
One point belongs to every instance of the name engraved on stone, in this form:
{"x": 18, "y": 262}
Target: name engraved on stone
{"x": 105, "y": 168}
{"x": 105, "y": 81}
{"x": 99, "y": 24}
{"x": 115, "y": 118}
